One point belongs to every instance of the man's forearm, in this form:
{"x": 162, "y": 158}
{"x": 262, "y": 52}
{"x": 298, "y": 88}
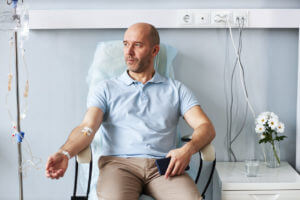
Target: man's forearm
{"x": 77, "y": 141}
{"x": 202, "y": 136}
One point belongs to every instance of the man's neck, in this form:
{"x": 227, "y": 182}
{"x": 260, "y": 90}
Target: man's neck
{"x": 142, "y": 77}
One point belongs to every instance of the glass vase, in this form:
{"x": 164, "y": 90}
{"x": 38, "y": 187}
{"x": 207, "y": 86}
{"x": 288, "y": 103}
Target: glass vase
{"x": 272, "y": 154}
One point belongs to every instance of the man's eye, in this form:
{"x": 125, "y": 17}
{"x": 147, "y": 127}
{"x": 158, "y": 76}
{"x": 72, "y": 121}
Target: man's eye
{"x": 138, "y": 44}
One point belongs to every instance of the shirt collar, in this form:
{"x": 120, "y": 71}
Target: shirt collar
{"x": 157, "y": 78}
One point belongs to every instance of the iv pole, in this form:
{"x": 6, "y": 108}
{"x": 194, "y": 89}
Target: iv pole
{"x": 20, "y": 170}
{"x": 18, "y": 126}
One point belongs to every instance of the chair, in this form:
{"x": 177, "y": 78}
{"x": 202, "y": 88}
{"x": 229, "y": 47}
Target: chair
{"x": 206, "y": 154}
{"x": 108, "y": 61}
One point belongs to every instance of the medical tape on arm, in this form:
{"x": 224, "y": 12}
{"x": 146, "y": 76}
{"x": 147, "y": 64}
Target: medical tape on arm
{"x": 87, "y": 131}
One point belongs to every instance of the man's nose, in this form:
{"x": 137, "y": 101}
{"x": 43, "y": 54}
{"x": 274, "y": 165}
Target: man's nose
{"x": 130, "y": 50}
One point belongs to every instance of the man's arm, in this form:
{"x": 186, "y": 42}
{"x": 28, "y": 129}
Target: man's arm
{"x": 204, "y": 131}
{"x": 76, "y": 142}
{"x": 203, "y": 134}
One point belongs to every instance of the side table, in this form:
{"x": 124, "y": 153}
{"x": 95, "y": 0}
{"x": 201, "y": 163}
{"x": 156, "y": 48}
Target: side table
{"x": 231, "y": 183}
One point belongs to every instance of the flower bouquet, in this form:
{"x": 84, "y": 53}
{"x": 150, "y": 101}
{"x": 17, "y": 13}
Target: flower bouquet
{"x": 268, "y": 126}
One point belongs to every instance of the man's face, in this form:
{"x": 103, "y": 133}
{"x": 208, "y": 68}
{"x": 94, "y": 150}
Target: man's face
{"x": 138, "y": 51}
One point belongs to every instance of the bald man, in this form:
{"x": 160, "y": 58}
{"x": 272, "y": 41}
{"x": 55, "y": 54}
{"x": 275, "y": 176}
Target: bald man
{"x": 138, "y": 113}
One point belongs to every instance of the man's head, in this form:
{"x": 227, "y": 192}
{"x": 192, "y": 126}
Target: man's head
{"x": 141, "y": 45}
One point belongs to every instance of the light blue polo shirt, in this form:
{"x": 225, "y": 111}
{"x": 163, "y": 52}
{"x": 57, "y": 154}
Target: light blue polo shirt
{"x": 140, "y": 120}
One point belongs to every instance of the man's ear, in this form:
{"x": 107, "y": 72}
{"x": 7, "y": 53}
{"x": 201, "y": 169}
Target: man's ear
{"x": 156, "y": 50}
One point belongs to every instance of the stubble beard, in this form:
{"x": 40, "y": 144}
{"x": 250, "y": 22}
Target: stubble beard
{"x": 140, "y": 65}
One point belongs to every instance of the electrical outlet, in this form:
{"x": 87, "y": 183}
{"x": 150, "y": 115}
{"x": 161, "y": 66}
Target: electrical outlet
{"x": 185, "y": 17}
{"x": 220, "y": 17}
{"x": 202, "y": 18}
{"x": 239, "y": 17}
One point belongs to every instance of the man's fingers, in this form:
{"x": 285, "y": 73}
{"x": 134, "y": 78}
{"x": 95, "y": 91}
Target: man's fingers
{"x": 178, "y": 163}
{"x": 60, "y": 173}
{"x": 49, "y": 162}
{"x": 175, "y": 169}
{"x": 55, "y": 174}
{"x": 50, "y": 175}
{"x": 170, "y": 168}
{"x": 181, "y": 170}
{"x": 51, "y": 169}
{"x": 47, "y": 174}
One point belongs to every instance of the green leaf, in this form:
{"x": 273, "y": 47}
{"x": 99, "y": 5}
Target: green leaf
{"x": 264, "y": 140}
{"x": 279, "y": 138}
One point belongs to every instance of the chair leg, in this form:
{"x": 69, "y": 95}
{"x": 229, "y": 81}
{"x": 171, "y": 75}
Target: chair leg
{"x": 76, "y": 174}
{"x": 200, "y": 168}
{"x": 90, "y": 178}
{"x": 209, "y": 179}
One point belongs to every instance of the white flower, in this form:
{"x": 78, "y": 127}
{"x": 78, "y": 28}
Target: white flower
{"x": 266, "y": 114}
{"x": 260, "y": 128}
{"x": 262, "y": 119}
{"x": 273, "y": 123}
{"x": 262, "y": 136}
{"x": 273, "y": 115}
{"x": 280, "y": 127}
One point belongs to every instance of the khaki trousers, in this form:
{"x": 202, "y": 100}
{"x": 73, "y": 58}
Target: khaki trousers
{"x": 127, "y": 178}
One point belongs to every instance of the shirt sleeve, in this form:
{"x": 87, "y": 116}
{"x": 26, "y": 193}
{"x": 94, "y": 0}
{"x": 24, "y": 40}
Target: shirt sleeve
{"x": 97, "y": 97}
{"x": 187, "y": 99}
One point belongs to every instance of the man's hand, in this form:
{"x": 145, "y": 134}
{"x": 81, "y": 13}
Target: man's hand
{"x": 57, "y": 165}
{"x": 180, "y": 158}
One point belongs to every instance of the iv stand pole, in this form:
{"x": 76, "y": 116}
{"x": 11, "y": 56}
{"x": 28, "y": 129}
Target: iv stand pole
{"x": 20, "y": 170}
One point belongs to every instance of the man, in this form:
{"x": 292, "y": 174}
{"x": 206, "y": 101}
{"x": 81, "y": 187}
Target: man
{"x": 138, "y": 113}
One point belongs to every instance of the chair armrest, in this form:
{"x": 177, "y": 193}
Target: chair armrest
{"x": 207, "y": 153}
{"x": 84, "y": 156}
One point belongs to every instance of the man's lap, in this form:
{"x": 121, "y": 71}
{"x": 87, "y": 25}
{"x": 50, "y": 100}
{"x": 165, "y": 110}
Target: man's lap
{"x": 127, "y": 178}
